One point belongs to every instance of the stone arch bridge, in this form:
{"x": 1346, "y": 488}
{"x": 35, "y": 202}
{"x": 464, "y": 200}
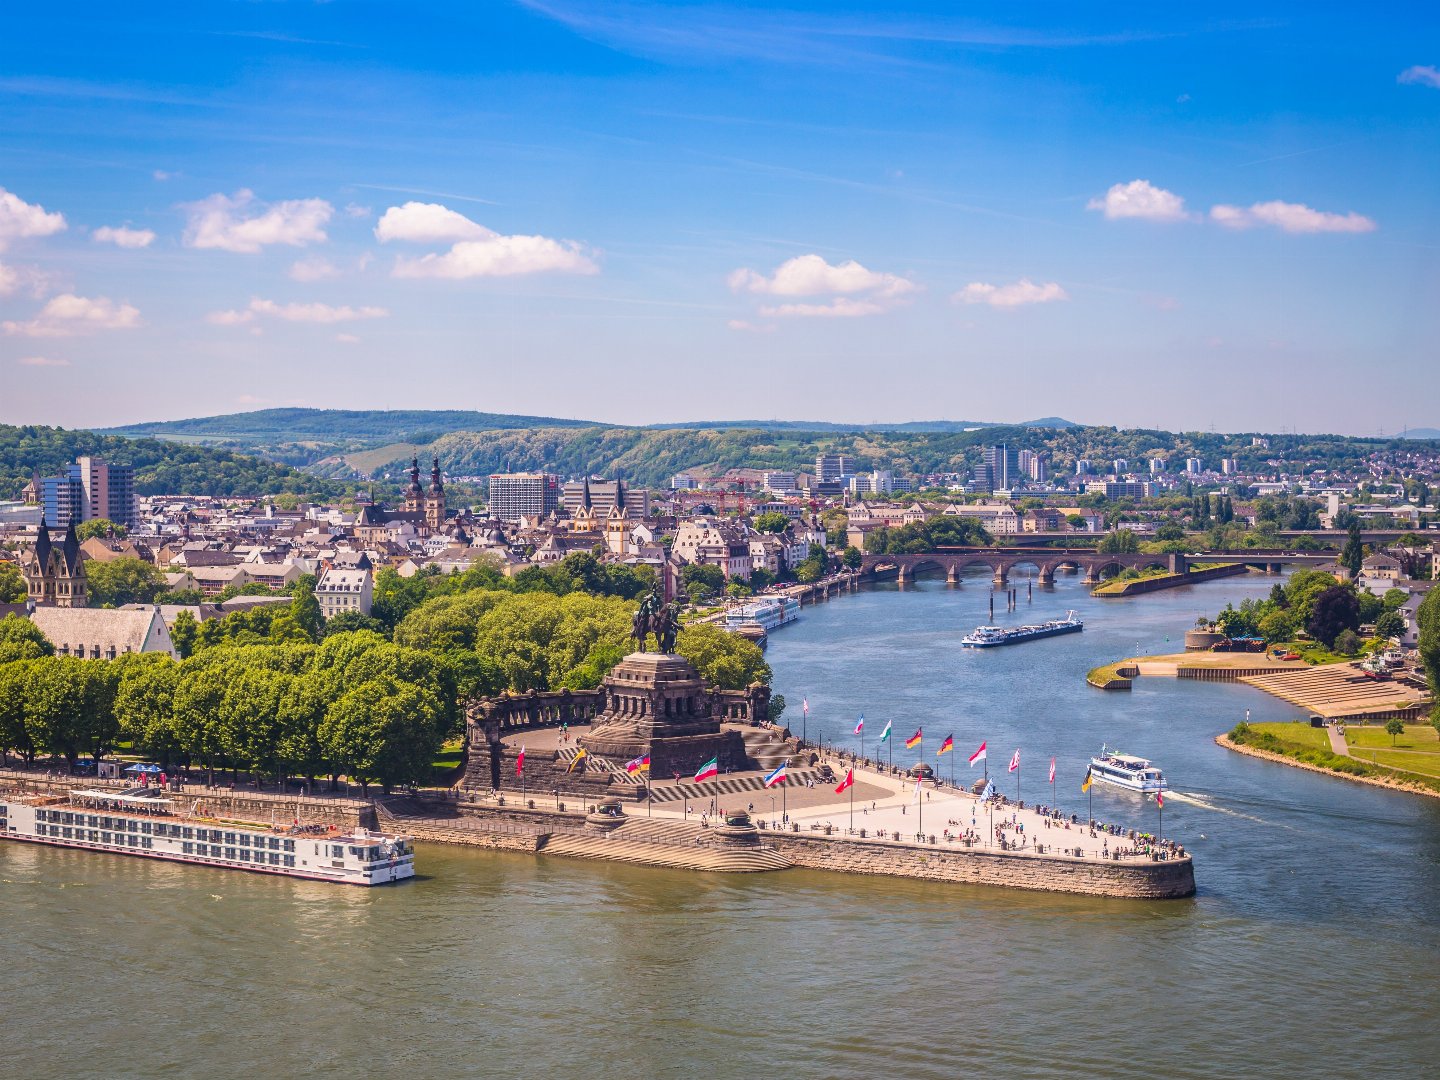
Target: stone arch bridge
{"x": 1045, "y": 562}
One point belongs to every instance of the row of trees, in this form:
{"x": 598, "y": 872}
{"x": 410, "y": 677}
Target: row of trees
{"x": 923, "y": 537}
{"x": 1312, "y": 601}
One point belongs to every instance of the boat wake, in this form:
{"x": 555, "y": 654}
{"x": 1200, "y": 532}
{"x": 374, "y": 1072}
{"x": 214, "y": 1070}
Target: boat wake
{"x": 1207, "y": 802}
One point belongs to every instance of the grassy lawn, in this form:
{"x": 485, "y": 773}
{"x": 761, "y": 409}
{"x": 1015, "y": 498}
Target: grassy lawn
{"x": 1312, "y": 745}
{"x": 1302, "y": 734}
{"x": 1373, "y": 744}
{"x": 1312, "y": 652}
{"x": 447, "y": 761}
{"x": 1106, "y": 675}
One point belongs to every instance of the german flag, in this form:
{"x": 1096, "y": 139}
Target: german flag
{"x": 913, "y": 741}
{"x": 1085, "y": 784}
{"x": 946, "y": 746}
{"x": 579, "y": 757}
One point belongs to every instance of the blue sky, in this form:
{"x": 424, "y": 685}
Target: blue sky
{"x": 642, "y": 212}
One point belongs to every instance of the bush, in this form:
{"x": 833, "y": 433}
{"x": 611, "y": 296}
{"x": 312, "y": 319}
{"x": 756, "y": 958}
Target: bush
{"x": 1347, "y": 643}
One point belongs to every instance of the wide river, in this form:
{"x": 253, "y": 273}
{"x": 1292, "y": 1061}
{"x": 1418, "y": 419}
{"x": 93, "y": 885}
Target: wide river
{"x": 1310, "y": 951}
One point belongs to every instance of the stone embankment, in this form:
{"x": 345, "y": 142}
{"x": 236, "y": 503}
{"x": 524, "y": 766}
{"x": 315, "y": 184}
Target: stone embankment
{"x": 1110, "y": 591}
{"x": 686, "y": 845}
{"x": 1144, "y": 879}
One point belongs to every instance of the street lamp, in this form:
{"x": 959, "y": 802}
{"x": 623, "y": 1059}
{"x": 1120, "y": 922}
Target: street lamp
{"x": 772, "y": 811}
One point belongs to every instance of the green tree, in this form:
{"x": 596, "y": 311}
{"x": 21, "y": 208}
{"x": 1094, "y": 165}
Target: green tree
{"x": 20, "y": 639}
{"x": 709, "y": 577}
{"x": 1427, "y": 618}
{"x": 852, "y": 557}
{"x": 1353, "y": 553}
{"x": 1389, "y": 625}
{"x": 771, "y": 522}
{"x": 101, "y": 527}
{"x": 1394, "y": 599}
{"x": 15, "y": 680}
{"x": 348, "y": 621}
{"x": 12, "y": 584}
{"x": 305, "y": 609}
{"x": 70, "y": 706}
{"x": 1347, "y": 643}
{"x": 122, "y": 581}
{"x": 1394, "y": 727}
{"x": 726, "y": 661}
{"x": 1334, "y": 610}
{"x": 1119, "y": 542}
{"x": 383, "y": 731}
{"x": 183, "y": 632}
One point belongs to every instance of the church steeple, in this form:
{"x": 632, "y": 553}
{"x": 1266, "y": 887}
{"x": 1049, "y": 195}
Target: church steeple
{"x": 436, "y": 487}
{"x": 435, "y": 499}
{"x": 414, "y": 494}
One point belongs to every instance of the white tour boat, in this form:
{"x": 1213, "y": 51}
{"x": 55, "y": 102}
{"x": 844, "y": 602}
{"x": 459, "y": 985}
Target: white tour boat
{"x": 140, "y": 821}
{"x": 1127, "y": 771}
{"x": 768, "y": 613}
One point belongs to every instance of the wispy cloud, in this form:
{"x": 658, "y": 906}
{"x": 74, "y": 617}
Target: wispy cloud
{"x": 43, "y": 361}
{"x": 842, "y": 307}
{"x": 123, "y": 236}
{"x": 68, "y": 315}
{"x": 297, "y": 313}
{"x": 315, "y": 269}
{"x": 240, "y": 223}
{"x": 1016, "y": 294}
{"x": 1420, "y": 75}
{"x": 1291, "y": 218}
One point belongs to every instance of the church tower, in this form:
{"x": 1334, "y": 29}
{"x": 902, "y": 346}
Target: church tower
{"x": 435, "y": 500}
{"x": 583, "y": 520}
{"x": 414, "y": 494}
{"x": 55, "y": 576}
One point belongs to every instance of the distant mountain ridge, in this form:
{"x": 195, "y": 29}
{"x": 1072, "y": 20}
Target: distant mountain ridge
{"x": 424, "y": 425}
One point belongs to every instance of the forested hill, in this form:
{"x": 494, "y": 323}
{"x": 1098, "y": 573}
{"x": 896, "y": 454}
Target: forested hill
{"x": 161, "y": 467}
{"x": 374, "y": 426}
{"x": 650, "y": 457}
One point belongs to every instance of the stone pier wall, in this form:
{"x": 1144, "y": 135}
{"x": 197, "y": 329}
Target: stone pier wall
{"x": 1129, "y": 878}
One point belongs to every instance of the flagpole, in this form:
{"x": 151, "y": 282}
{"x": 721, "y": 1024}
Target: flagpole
{"x": 852, "y": 804}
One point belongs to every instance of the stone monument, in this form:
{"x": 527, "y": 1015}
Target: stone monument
{"x": 656, "y": 704}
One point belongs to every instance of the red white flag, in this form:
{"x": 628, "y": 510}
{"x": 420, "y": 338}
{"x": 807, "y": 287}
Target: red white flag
{"x": 1160, "y": 799}
{"x": 849, "y": 781}
{"x": 805, "y": 704}
{"x": 1015, "y": 761}
{"x": 520, "y": 761}
{"x": 1052, "y": 770}
{"x": 978, "y": 755}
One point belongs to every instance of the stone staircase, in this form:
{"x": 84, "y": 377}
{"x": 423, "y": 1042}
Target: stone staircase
{"x": 727, "y": 785}
{"x": 766, "y": 750}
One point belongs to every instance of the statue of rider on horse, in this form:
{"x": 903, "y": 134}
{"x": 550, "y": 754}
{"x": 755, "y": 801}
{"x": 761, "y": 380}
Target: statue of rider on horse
{"x": 654, "y": 616}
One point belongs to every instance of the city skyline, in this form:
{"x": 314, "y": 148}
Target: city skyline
{"x": 1144, "y": 219}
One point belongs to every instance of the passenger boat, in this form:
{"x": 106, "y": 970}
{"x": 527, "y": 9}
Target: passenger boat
{"x": 142, "y": 822}
{"x": 988, "y": 637}
{"x": 767, "y": 613}
{"x": 1128, "y": 772}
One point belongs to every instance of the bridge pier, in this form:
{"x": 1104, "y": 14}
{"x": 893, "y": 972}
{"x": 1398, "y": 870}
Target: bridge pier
{"x": 1091, "y": 577}
{"x": 1001, "y": 579}
{"x": 1047, "y": 575}
{"x": 952, "y": 575}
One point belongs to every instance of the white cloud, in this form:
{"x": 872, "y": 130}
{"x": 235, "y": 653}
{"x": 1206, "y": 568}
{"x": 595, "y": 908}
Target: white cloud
{"x": 749, "y": 327}
{"x": 20, "y": 220}
{"x": 162, "y": 175}
{"x": 476, "y": 251}
{"x": 300, "y": 313}
{"x": 1140, "y": 199}
{"x": 500, "y": 256}
{"x": 811, "y": 275}
{"x": 43, "y": 361}
{"x": 68, "y": 314}
{"x": 123, "y": 236}
{"x": 1016, "y": 294}
{"x": 316, "y": 269}
{"x": 9, "y": 279}
{"x": 1291, "y": 218}
{"x": 37, "y": 281}
{"x": 1420, "y": 75}
{"x": 842, "y": 307}
{"x": 355, "y": 210}
{"x": 347, "y": 339}
{"x": 241, "y": 224}
{"x": 428, "y": 223}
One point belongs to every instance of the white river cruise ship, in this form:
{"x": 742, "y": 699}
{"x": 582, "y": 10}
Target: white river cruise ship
{"x": 142, "y": 822}
{"x": 768, "y": 613}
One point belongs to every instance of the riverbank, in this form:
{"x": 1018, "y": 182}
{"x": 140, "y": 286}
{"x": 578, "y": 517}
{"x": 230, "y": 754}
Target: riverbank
{"x": 1346, "y": 768}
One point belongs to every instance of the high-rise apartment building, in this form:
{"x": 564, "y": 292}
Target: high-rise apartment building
{"x": 1192, "y": 465}
{"x": 91, "y": 488}
{"x": 1034, "y": 465}
{"x": 831, "y": 468}
{"x": 999, "y": 469}
{"x": 517, "y": 495}
{"x": 1157, "y": 466}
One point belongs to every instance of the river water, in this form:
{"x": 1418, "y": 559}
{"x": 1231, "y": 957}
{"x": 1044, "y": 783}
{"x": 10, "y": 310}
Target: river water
{"x": 1310, "y": 950}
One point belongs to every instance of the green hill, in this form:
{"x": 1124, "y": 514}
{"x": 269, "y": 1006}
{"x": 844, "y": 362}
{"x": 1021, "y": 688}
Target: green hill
{"x": 161, "y": 467}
